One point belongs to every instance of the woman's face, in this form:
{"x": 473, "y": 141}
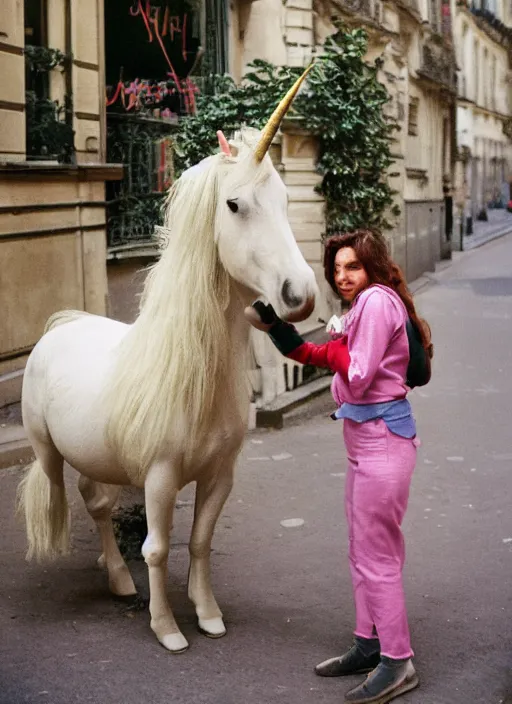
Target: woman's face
{"x": 350, "y": 276}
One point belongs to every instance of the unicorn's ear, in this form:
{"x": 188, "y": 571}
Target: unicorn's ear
{"x": 223, "y": 144}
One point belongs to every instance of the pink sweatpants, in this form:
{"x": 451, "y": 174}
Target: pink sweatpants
{"x": 376, "y": 494}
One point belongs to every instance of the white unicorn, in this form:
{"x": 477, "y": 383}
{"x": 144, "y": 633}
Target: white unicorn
{"x": 165, "y": 401}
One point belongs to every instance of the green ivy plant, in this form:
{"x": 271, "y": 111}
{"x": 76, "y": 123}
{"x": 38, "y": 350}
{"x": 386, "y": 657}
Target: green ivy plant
{"x": 49, "y": 134}
{"x": 342, "y": 106}
{"x": 42, "y": 59}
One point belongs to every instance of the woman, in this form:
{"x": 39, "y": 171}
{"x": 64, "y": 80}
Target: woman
{"x": 371, "y": 358}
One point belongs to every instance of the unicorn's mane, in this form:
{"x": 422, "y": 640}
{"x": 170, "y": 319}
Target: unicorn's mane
{"x": 170, "y": 365}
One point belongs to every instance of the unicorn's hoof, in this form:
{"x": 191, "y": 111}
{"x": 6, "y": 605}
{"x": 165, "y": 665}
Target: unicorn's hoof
{"x": 212, "y": 627}
{"x": 174, "y": 643}
{"x": 121, "y": 583}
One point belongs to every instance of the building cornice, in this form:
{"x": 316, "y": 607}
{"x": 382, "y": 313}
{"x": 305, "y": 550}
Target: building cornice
{"x": 442, "y": 88}
{"x": 489, "y": 24}
{"x": 79, "y": 172}
{"x": 481, "y": 110}
{"x": 490, "y": 113}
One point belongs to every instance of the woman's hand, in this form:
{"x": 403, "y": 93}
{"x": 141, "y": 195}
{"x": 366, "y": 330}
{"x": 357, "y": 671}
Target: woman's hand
{"x": 262, "y": 317}
{"x": 284, "y": 336}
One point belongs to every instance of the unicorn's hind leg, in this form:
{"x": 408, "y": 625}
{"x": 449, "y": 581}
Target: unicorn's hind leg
{"x": 99, "y": 500}
{"x": 211, "y": 494}
{"x": 161, "y": 489}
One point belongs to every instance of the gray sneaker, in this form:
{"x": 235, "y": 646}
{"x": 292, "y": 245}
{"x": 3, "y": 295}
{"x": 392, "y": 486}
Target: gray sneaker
{"x": 363, "y": 657}
{"x": 390, "y": 679}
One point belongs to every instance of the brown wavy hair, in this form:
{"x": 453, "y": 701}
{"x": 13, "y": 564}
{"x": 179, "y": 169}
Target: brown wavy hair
{"x": 372, "y": 252}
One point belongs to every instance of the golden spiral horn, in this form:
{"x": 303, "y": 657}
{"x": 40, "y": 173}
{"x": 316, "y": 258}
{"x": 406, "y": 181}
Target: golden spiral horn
{"x": 270, "y": 129}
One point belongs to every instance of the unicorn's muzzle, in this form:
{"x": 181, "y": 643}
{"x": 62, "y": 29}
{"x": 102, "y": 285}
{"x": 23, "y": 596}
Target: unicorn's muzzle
{"x": 301, "y": 312}
{"x": 297, "y": 302}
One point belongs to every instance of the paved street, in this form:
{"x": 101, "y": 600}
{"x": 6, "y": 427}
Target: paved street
{"x": 285, "y": 591}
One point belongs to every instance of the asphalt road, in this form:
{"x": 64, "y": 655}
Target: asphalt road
{"x": 285, "y": 591}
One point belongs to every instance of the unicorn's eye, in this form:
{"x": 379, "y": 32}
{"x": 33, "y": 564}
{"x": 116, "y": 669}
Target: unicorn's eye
{"x": 232, "y": 205}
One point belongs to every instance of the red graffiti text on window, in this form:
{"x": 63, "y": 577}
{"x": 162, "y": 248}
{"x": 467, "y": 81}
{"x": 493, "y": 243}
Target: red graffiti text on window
{"x": 141, "y": 94}
{"x": 160, "y": 23}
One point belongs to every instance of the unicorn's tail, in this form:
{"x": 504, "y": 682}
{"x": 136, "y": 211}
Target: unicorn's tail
{"x": 61, "y": 318}
{"x": 45, "y": 507}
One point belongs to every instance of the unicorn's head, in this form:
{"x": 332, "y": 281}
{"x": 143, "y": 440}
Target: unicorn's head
{"x": 241, "y": 190}
{"x": 254, "y": 238}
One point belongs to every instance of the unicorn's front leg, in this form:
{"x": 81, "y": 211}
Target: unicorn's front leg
{"x": 161, "y": 489}
{"x": 211, "y": 494}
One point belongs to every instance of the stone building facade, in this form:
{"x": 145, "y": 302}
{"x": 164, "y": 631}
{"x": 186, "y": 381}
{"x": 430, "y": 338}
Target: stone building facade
{"x": 483, "y": 37}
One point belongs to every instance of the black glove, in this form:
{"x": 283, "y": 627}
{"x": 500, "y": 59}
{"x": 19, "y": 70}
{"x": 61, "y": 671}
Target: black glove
{"x": 284, "y": 336}
{"x": 266, "y": 312}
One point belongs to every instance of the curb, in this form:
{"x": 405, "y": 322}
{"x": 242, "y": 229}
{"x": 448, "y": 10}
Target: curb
{"x": 470, "y": 244}
{"x": 15, "y": 455}
{"x": 15, "y": 449}
{"x": 272, "y": 415}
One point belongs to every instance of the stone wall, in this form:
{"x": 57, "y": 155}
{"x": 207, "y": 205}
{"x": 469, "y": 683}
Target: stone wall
{"x": 52, "y": 249}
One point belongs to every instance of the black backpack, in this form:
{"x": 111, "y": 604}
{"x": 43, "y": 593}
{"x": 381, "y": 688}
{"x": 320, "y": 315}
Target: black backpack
{"x": 419, "y": 370}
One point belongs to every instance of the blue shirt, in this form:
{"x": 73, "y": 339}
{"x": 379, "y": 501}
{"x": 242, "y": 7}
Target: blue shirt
{"x": 397, "y": 415}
